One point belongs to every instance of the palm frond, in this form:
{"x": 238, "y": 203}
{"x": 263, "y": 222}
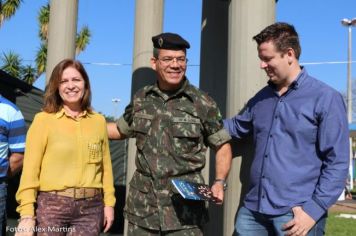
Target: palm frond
{"x": 41, "y": 59}
{"x": 11, "y": 64}
{"x": 43, "y": 21}
{"x": 8, "y": 9}
{"x": 82, "y": 39}
{"x": 28, "y": 74}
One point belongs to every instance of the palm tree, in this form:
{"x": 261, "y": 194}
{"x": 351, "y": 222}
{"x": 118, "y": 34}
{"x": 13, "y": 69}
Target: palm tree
{"x": 8, "y": 9}
{"x": 82, "y": 40}
{"x": 43, "y": 20}
{"x": 28, "y": 74}
{"x": 41, "y": 59}
{"x": 11, "y": 64}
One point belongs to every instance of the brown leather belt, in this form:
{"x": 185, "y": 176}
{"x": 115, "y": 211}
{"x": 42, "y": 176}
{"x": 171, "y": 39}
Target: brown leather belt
{"x": 78, "y": 193}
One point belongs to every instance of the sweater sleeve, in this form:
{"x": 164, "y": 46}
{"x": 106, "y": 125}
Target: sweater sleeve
{"x": 108, "y": 180}
{"x": 35, "y": 146}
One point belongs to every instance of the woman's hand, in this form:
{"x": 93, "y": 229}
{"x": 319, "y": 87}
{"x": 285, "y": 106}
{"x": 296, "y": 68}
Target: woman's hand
{"x": 26, "y": 226}
{"x": 108, "y": 218}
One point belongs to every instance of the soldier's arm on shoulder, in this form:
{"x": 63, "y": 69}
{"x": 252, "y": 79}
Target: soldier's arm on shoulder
{"x": 121, "y": 129}
{"x": 113, "y": 131}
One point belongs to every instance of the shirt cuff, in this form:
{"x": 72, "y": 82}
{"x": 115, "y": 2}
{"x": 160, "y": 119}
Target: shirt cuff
{"x": 123, "y": 127}
{"x": 313, "y": 209}
{"x": 110, "y": 200}
{"x": 219, "y": 138}
{"x": 27, "y": 210}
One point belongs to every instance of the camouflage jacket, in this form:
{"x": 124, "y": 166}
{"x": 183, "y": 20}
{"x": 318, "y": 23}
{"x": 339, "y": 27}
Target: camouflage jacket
{"x": 172, "y": 134}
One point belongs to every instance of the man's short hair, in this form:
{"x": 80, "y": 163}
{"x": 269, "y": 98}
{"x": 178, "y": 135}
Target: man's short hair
{"x": 283, "y": 35}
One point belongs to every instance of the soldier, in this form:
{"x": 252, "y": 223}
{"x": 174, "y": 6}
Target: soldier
{"x": 173, "y": 123}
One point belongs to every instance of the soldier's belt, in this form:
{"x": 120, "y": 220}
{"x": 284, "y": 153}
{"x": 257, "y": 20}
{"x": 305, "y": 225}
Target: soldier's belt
{"x": 78, "y": 193}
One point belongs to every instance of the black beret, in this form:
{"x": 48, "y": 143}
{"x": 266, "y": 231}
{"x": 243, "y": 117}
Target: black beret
{"x": 169, "y": 41}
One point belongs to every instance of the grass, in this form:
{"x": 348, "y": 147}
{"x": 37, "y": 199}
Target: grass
{"x": 336, "y": 226}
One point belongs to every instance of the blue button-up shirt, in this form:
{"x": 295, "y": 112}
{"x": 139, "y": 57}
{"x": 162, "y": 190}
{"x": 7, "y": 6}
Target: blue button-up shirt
{"x": 301, "y": 147}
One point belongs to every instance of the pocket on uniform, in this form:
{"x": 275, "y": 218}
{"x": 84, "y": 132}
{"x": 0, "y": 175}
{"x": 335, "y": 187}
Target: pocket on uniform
{"x": 141, "y": 182}
{"x": 190, "y": 212}
{"x": 186, "y": 135}
{"x": 141, "y": 125}
{"x": 141, "y": 200}
{"x": 95, "y": 150}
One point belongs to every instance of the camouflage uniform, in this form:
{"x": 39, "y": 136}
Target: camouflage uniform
{"x": 172, "y": 134}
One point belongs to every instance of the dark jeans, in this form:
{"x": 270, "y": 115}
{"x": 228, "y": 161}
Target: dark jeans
{"x": 59, "y": 215}
{"x": 251, "y": 223}
{"x": 3, "y": 194}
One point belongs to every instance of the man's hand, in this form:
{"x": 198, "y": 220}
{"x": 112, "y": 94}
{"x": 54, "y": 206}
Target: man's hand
{"x": 300, "y": 224}
{"x": 15, "y": 163}
{"x": 218, "y": 192}
{"x": 26, "y": 226}
{"x": 108, "y": 218}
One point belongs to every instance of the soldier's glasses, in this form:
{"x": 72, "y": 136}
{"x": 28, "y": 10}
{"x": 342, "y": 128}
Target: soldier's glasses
{"x": 169, "y": 60}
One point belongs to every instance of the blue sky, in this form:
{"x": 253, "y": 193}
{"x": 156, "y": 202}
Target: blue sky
{"x": 111, "y": 22}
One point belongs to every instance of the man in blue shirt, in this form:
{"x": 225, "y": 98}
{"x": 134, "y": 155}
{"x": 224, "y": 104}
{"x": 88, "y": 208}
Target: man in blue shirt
{"x": 12, "y": 145}
{"x": 300, "y": 132}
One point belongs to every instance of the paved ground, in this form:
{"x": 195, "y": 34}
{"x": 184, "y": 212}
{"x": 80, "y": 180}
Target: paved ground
{"x": 346, "y": 206}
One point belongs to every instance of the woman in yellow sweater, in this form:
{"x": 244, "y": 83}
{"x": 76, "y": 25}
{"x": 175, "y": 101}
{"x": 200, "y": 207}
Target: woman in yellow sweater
{"x": 67, "y": 168}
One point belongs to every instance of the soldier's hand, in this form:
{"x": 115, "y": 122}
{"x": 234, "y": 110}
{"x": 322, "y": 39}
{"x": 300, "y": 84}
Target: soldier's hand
{"x": 218, "y": 193}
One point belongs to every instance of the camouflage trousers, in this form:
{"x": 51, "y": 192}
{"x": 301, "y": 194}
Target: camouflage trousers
{"x": 135, "y": 230}
{"x": 60, "y": 216}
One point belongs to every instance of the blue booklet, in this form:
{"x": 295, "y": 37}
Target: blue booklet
{"x": 192, "y": 191}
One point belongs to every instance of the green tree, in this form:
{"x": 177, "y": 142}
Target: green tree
{"x": 43, "y": 21}
{"x": 11, "y": 64}
{"x": 28, "y": 74}
{"x": 82, "y": 39}
{"x": 41, "y": 58}
{"x": 8, "y": 8}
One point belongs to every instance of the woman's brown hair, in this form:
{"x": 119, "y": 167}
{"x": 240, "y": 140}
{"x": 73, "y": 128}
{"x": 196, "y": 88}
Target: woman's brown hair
{"x": 52, "y": 101}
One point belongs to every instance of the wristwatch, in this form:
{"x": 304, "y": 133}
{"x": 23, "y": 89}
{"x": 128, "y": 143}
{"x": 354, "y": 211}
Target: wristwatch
{"x": 221, "y": 181}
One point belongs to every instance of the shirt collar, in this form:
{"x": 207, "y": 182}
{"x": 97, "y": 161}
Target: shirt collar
{"x": 297, "y": 82}
{"x": 300, "y": 79}
{"x": 62, "y": 113}
{"x": 184, "y": 89}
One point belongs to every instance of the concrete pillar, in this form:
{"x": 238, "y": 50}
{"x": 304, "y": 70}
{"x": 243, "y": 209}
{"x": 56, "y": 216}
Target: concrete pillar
{"x": 246, "y": 19}
{"x": 62, "y": 32}
{"x": 148, "y": 22}
{"x": 213, "y": 79}
{"x": 229, "y": 72}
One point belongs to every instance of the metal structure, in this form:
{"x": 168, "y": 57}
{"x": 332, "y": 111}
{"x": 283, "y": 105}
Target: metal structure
{"x": 349, "y": 23}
